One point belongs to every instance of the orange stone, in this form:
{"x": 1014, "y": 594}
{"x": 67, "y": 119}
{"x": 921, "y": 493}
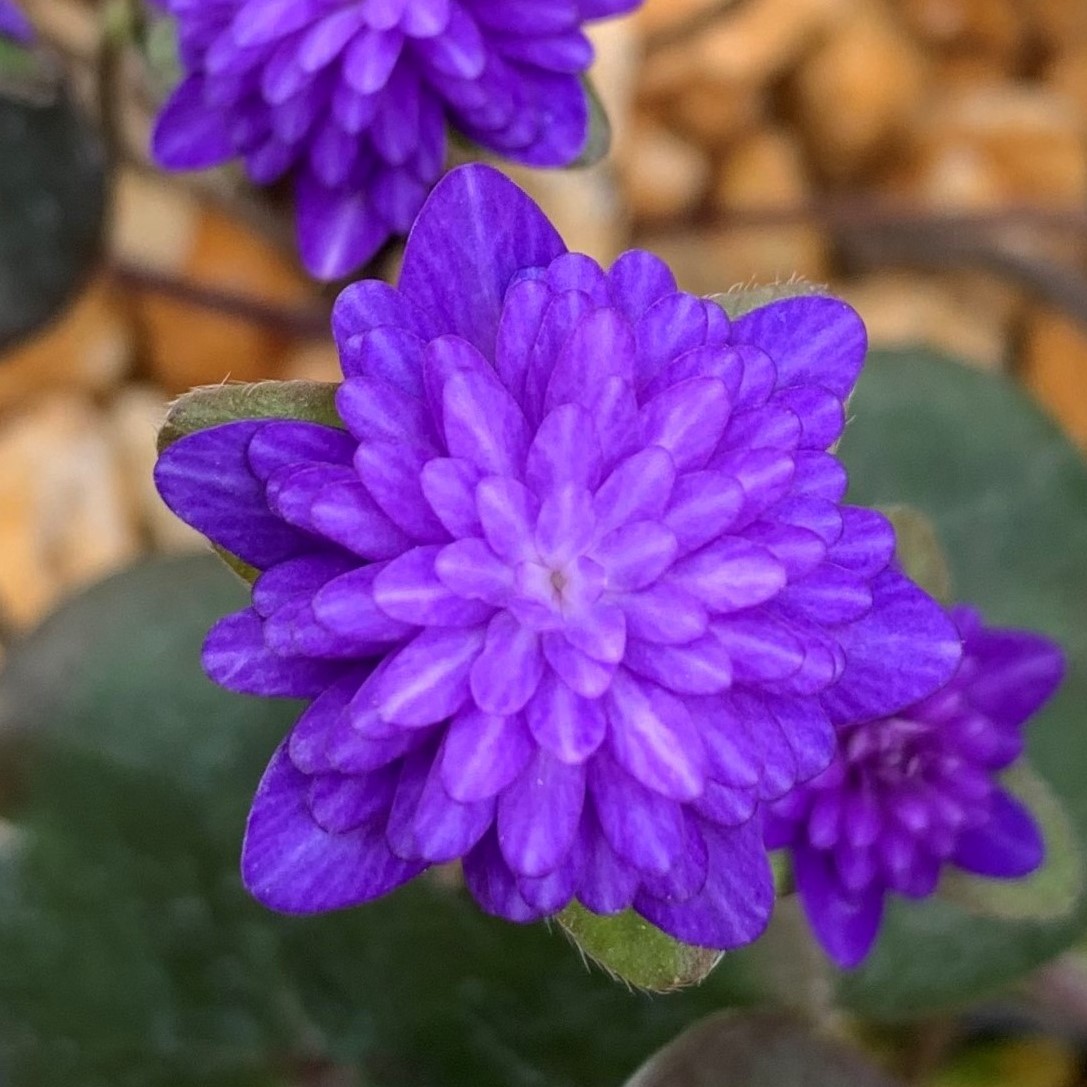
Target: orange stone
{"x": 89, "y": 346}
{"x": 191, "y": 345}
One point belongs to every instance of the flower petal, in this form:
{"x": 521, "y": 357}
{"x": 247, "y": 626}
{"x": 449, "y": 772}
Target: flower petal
{"x": 205, "y": 478}
{"x": 236, "y": 657}
{"x": 493, "y": 885}
{"x": 902, "y": 650}
{"x": 408, "y": 589}
{"x": 638, "y": 488}
{"x": 729, "y": 575}
{"x": 506, "y": 673}
{"x": 425, "y": 681}
{"x": 1007, "y": 846}
{"x": 539, "y": 814}
{"x": 564, "y": 723}
{"x": 1016, "y": 673}
{"x": 483, "y": 753}
{"x": 688, "y": 420}
{"x": 643, "y": 827}
{"x": 733, "y": 908}
{"x": 653, "y": 737}
{"x": 845, "y": 924}
{"x": 293, "y": 865}
{"x": 813, "y": 341}
{"x": 188, "y": 135}
{"x": 475, "y": 231}
{"x": 346, "y": 606}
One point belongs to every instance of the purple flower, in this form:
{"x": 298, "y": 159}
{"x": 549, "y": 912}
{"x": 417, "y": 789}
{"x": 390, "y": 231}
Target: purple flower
{"x": 909, "y": 793}
{"x": 573, "y": 592}
{"x": 351, "y": 99}
{"x": 14, "y": 24}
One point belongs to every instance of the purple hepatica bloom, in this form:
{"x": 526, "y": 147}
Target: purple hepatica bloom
{"x": 14, "y": 25}
{"x": 573, "y": 591}
{"x": 909, "y": 793}
{"x": 351, "y": 99}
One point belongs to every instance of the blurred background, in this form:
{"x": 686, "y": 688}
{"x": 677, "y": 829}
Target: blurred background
{"x": 927, "y": 159}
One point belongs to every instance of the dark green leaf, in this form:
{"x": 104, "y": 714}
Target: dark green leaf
{"x": 52, "y": 196}
{"x": 731, "y": 1049}
{"x": 633, "y": 951}
{"x": 598, "y": 142}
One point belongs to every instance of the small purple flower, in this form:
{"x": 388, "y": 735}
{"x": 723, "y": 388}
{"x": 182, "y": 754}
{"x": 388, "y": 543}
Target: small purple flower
{"x": 351, "y": 100}
{"x": 573, "y": 592}
{"x": 14, "y": 25}
{"x": 909, "y": 793}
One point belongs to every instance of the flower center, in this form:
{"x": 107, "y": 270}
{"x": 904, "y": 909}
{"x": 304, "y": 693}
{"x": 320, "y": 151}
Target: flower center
{"x": 892, "y": 751}
{"x": 546, "y": 597}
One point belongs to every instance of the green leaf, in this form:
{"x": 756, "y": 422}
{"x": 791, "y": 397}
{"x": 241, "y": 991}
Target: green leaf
{"x": 598, "y": 141}
{"x": 741, "y": 299}
{"x": 1007, "y": 493}
{"x": 1051, "y": 893}
{"x": 134, "y": 958}
{"x": 632, "y": 950}
{"x": 758, "y": 1050}
{"x": 917, "y": 548}
{"x": 52, "y": 195}
{"x": 213, "y": 405}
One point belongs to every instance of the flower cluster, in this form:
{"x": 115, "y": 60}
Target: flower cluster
{"x": 14, "y": 25}
{"x": 909, "y": 793}
{"x": 573, "y": 592}
{"x": 351, "y": 100}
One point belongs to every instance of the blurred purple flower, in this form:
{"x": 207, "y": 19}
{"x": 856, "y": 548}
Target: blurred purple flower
{"x": 14, "y": 24}
{"x": 351, "y": 99}
{"x": 572, "y": 593}
{"x": 909, "y": 793}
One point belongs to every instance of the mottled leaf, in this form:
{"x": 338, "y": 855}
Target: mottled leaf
{"x": 212, "y": 405}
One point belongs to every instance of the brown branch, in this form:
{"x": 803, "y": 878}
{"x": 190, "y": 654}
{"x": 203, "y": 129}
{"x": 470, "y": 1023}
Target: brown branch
{"x": 309, "y": 324}
{"x": 854, "y": 213}
{"x": 877, "y": 234}
{"x": 1058, "y": 284}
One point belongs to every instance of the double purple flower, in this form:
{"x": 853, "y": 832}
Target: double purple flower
{"x": 351, "y": 100}
{"x": 910, "y": 793}
{"x": 572, "y": 594}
